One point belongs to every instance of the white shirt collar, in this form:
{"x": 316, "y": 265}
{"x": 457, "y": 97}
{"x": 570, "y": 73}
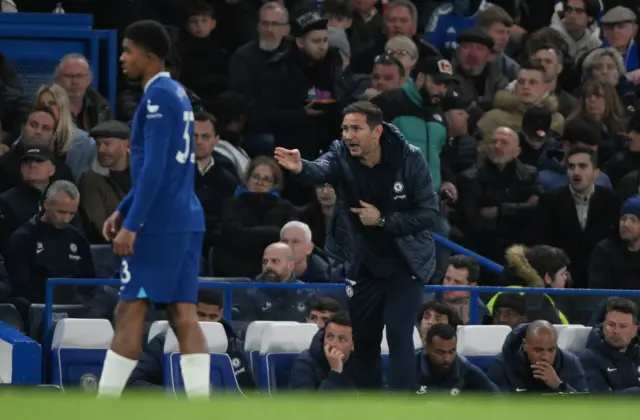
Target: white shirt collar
{"x": 156, "y": 77}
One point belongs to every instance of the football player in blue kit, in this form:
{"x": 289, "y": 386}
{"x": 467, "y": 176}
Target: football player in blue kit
{"x": 158, "y": 227}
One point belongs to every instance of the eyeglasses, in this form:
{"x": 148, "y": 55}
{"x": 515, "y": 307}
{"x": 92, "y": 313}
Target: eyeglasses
{"x": 400, "y": 53}
{"x": 261, "y": 180}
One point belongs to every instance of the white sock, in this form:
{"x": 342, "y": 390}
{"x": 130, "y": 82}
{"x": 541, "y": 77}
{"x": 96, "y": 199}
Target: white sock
{"x": 115, "y": 374}
{"x": 196, "y": 373}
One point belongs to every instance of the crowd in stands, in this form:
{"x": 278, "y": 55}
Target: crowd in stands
{"x": 526, "y": 112}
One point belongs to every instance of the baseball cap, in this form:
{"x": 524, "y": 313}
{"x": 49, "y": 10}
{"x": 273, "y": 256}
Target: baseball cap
{"x": 618, "y": 14}
{"x": 476, "y": 35}
{"x": 311, "y": 21}
{"x": 437, "y": 67}
{"x": 37, "y": 154}
{"x": 454, "y": 99}
{"x": 536, "y": 123}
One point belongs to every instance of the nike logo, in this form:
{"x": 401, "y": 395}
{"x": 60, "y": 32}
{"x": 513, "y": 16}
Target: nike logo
{"x": 350, "y": 282}
{"x": 39, "y": 250}
{"x": 611, "y": 369}
{"x": 152, "y": 109}
{"x": 520, "y": 390}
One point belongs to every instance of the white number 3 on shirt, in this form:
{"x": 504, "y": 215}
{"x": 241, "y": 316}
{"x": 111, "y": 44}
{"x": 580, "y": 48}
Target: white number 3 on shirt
{"x": 185, "y": 154}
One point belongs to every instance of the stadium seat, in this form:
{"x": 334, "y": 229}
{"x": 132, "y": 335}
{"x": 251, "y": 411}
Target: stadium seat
{"x": 222, "y": 375}
{"x": 36, "y": 316}
{"x": 157, "y": 327}
{"x": 480, "y": 344}
{"x": 574, "y": 338}
{"x": 281, "y": 345}
{"x": 106, "y": 264}
{"x": 78, "y": 350}
{"x": 253, "y": 338}
{"x": 20, "y": 358}
{"x": 10, "y": 316}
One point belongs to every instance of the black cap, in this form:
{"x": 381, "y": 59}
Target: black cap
{"x": 583, "y": 131}
{"x": 536, "y": 123}
{"x": 37, "y": 154}
{"x": 514, "y": 301}
{"x": 477, "y": 35}
{"x": 112, "y": 129}
{"x": 454, "y": 99}
{"x": 437, "y": 67}
{"x": 308, "y": 22}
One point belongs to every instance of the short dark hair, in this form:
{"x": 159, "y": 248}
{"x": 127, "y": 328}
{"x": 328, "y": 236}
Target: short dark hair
{"x": 372, "y": 113}
{"x": 444, "y": 331}
{"x": 228, "y": 107}
{"x": 581, "y": 130}
{"x": 204, "y": 116}
{"x": 495, "y": 14}
{"x": 150, "y": 36}
{"x": 337, "y": 9}
{"x": 271, "y": 163}
{"x": 593, "y": 156}
{"x": 47, "y": 110}
{"x": 325, "y": 304}
{"x": 440, "y": 309}
{"x": 464, "y": 261}
{"x": 546, "y": 47}
{"x": 340, "y": 318}
{"x": 210, "y": 296}
{"x": 389, "y": 60}
{"x": 546, "y": 259}
{"x": 201, "y": 9}
{"x": 533, "y": 63}
{"x": 619, "y": 304}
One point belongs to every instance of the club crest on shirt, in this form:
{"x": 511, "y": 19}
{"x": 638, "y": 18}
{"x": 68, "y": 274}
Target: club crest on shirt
{"x": 398, "y": 187}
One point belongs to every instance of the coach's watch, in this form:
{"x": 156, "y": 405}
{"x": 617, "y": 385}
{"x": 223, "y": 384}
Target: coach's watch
{"x": 562, "y": 387}
{"x": 381, "y": 221}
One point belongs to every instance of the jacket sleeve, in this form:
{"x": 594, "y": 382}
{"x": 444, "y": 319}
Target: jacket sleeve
{"x": 498, "y": 375}
{"x": 541, "y": 229}
{"x": 5, "y": 283}
{"x": 238, "y": 235}
{"x": 243, "y": 374}
{"x": 476, "y": 380}
{"x": 425, "y": 201}
{"x": 599, "y": 271}
{"x": 92, "y": 205}
{"x": 468, "y": 205}
{"x": 322, "y": 170}
{"x": 149, "y": 371}
{"x": 19, "y": 263}
{"x": 576, "y": 381}
{"x": 303, "y": 375}
{"x": 334, "y": 380}
{"x": 595, "y": 377}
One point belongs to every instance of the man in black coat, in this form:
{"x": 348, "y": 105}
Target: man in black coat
{"x": 392, "y": 207}
{"x": 149, "y": 370}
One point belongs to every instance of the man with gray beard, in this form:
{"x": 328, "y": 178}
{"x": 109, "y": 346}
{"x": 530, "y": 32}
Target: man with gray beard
{"x": 497, "y": 197}
{"x": 480, "y": 77}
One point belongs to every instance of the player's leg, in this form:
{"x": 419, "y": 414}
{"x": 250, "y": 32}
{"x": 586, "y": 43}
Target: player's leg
{"x": 130, "y": 313}
{"x": 402, "y": 303}
{"x": 195, "y": 361}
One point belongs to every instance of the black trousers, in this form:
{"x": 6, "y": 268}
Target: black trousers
{"x": 373, "y": 303}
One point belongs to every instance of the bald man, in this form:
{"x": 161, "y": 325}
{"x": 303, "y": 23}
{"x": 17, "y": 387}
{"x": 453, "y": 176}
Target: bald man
{"x": 498, "y": 196}
{"x": 275, "y": 304}
{"x": 531, "y": 362}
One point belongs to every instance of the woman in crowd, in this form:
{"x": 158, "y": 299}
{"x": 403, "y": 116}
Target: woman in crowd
{"x": 606, "y": 65}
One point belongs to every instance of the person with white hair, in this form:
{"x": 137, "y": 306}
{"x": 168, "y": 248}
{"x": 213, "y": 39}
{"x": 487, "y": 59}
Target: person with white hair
{"x": 308, "y": 267}
{"x": 606, "y": 65}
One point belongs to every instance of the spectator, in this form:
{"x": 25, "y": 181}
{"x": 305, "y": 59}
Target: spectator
{"x": 619, "y": 27}
{"x": 607, "y": 67}
{"x": 204, "y": 60}
{"x": 48, "y": 247}
{"x": 327, "y": 365}
{"x": 628, "y": 159}
{"x": 308, "y": 267}
{"x": 575, "y": 218}
{"x": 87, "y": 107}
{"x": 538, "y": 266}
{"x": 480, "y": 77}
{"x": 460, "y": 152}
{"x": 403, "y": 49}
{"x": 611, "y": 358}
{"x": 365, "y": 26}
{"x": 215, "y": 179}
{"x": 462, "y": 270}
{"x": 37, "y": 133}
{"x": 252, "y": 219}
{"x": 14, "y": 105}
{"x": 581, "y": 133}
{"x": 276, "y": 304}
{"x": 509, "y": 309}
{"x": 615, "y": 261}
{"x": 536, "y": 135}
{"x": 108, "y": 181}
{"x": 400, "y": 18}
{"x": 414, "y": 110}
{"x": 530, "y": 91}
{"x": 450, "y": 20}
{"x": 440, "y": 369}
{"x": 388, "y": 74}
{"x": 498, "y": 23}
{"x": 629, "y": 185}
{"x": 230, "y": 112}
{"x": 321, "y": 309}
{"x": 318, "y": 214}
{"x": 601, "y": 105}
{"x": 497, "y": 197}
{"x": 149, "y": 372}
{"x": 531, "y": 362}
{"x": 576, "y": 23}
{"x": 70, "y": 143}
{"x": 432, "y": 313}
{"x": 552, "y": 60}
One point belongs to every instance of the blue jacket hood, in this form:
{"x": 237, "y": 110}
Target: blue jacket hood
{"x": 596, "y": 343}
{"x": 245, "y": 191}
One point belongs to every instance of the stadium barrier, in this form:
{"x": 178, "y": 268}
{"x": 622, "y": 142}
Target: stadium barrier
{"x": 35, "y": 43}
{"x": 20, "y": 358}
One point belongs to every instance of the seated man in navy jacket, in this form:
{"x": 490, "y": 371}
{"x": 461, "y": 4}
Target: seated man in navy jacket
{"x": 532, "y": 362}
{"x": 440, "y": 369}
{"x": 611, "y": 358}
{"x": 327, "y": 365}
{"x": 149, "y": 371}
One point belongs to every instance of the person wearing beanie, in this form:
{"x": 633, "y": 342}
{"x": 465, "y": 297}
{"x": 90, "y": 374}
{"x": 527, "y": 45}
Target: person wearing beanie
{"x": 536, "y": 135}
{"x": 615, "y": 262}
{"x": 576, "y": 23}
{"x": 579, "y": 132}
{"x": 509, "y": 309}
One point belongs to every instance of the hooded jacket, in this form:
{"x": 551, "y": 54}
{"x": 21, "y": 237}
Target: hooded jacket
{"x": 311, "y": 370}
{"x": 511, "y": 371}
{"x": 577, "y": 49}
{"x": 613, "y": 265}
{"x": 508, "y": 111}
{"x": 463, "y": 376}
{"x": 608, "y": 369}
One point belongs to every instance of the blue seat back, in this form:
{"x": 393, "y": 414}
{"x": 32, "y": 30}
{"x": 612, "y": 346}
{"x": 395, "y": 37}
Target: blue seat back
{"x": 253, "y": 340}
